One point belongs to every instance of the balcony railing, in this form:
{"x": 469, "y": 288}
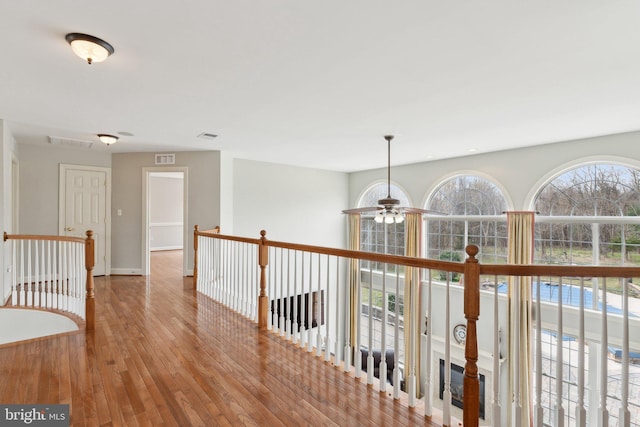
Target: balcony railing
{"x": 375, "y": 315}
{"x": 52, "y": 273}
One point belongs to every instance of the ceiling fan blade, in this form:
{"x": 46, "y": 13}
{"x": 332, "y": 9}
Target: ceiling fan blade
{"x": 422, "y": 211}
{"x": 361, "y": 210}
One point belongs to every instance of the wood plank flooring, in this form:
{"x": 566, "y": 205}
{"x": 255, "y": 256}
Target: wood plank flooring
{"x": 162, "y": 355}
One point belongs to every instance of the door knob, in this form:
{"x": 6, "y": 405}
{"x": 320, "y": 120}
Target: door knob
{"x": 69, "y": 229}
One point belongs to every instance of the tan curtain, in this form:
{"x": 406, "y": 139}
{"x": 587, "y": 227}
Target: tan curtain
{"x": 354, "y": 244}
{"x": 412, "y": 318}
{"x": 520, "y": 236}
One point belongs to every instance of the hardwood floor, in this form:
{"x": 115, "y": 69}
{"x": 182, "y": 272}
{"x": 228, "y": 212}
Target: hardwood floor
{"x": 163, "y": 355}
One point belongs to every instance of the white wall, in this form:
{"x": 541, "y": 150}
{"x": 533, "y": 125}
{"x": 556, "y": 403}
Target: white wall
{"x": 203, "y": 202}
{"x": 516, "y": 171}
{"x": 292, "y": 204}
{"x": 39, "y": 174}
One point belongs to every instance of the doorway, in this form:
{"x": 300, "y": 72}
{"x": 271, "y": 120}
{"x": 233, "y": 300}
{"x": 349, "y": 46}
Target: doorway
{"x": 85, "y": 204}
{"x": 164, "y": 215}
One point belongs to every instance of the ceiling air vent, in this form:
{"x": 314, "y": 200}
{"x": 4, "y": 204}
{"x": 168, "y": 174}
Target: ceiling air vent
{"x": 67, "y": 142}
{"x": 165, "y": 159}
{"x": 207, "y": 135}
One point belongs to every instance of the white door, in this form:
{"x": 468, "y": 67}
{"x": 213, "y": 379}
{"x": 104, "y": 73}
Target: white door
{"x": 85, "y": 208}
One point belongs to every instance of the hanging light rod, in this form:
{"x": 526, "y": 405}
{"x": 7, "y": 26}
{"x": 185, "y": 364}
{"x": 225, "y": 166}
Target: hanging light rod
{"x": 90, "y": 48}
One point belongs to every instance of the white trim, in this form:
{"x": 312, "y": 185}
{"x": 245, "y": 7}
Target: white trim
{"x": 164, "y": 248}
{"x": 62, "y": 188}
{"x": 165, "y": 224}
{"x": 146, "y": 171}
{"x": 15, "y": 193}
{"x": 126, "y": 272}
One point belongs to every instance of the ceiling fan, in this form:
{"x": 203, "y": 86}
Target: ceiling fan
{"x": 389, "y": 210}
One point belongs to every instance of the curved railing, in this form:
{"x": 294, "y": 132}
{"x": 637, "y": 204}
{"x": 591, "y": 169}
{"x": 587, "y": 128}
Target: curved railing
{"x": 322, "y": 299}
{"x": 54, "y": 273}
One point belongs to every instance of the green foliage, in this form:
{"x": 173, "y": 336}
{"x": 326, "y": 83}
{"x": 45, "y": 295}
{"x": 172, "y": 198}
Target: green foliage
{"x": 450, "y": 256}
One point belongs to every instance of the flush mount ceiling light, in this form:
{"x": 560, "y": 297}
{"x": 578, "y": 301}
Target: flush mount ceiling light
{"x": 89, "y": 48}
{"x": 108, "y": 139}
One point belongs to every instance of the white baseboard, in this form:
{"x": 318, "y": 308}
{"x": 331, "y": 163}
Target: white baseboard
{"x": 165, "y": 248}
{"x": 126, "y": 272}
{"x": 190, "y": 272}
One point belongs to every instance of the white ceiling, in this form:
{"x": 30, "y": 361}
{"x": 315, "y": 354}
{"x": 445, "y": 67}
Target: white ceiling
{"x": 318, "y": 83}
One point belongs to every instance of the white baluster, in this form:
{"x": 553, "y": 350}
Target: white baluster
{"x": 296, "y": 325}
{"x": 495, "y": 407}
{"x": 559, "y": 409}
{"x": 23, "y": 283}
{"x": 396, "y": 339}
{"x": 50, "y": 277}
{"x": 625, "y": 415}
{"x": 337, "y": 356}
{"x": 347, "y": 320}
{"x": 310, "y": 306}
{"x": 516, "y": 405}
{"x": 318, "y": 299}
{"x": 14, "y": 282}
{"x": 54, "y": 275}
{"x": 36, "y": 279}
{"x": 446, "y": 395}
{"x": 288, "y": 300}
{"x": 29, "y": 277}
{"x": 383, "y": 333}
{"x": 327, "y": 313}
{"x": 603, "y": 413}
{"x": 428, "y": 392}
{"x": 282, "y": 297}
{"x": 539, "y": 410}
{"x": 581, "y": 412}
{"x": 370, "y": 366}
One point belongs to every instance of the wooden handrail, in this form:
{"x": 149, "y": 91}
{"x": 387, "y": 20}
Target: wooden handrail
{"x": 38, "y": 237}
{"x": 532, "y": 270}
{"x": 455, "y": 267}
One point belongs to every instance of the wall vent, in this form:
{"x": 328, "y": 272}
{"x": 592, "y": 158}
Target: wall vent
{"x": 165, "y": 159}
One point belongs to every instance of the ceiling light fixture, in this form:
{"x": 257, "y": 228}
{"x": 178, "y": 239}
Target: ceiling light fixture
{"x": 108, "y": 139}
{"x": 89, "y": 48}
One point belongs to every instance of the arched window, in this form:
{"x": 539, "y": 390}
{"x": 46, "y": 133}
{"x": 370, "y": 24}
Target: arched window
{"x": 474, "y": 207}
{"x": 379, "y": 237}
{"x": 589, "y": 216}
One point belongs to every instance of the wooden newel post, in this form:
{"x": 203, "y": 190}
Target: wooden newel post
{"x": 471, "y": 404}
{"x": 195, "y": 257}
{"x": 263, "y": 299}
{"x": 90, "y": 302}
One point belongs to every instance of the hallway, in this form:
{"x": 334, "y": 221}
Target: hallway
{"x": 162, "y": 355}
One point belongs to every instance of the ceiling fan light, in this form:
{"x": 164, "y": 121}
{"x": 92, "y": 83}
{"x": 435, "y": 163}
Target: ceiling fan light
{"x": 399, "y": 219}
{"x": 379, "y": 218}
{"x": 389, "y": 219}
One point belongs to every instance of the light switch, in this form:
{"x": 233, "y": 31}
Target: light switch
{"x": 119, "y": 212}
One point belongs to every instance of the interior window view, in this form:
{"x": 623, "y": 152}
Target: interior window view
{"x": 349, "y": 214}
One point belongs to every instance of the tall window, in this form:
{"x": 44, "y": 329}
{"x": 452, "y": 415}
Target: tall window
{"x": 380, "y": 237}
{"x": 589, "y": 215}
{"x": 386, "y": 239}
{"x": 474, "y": 208}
